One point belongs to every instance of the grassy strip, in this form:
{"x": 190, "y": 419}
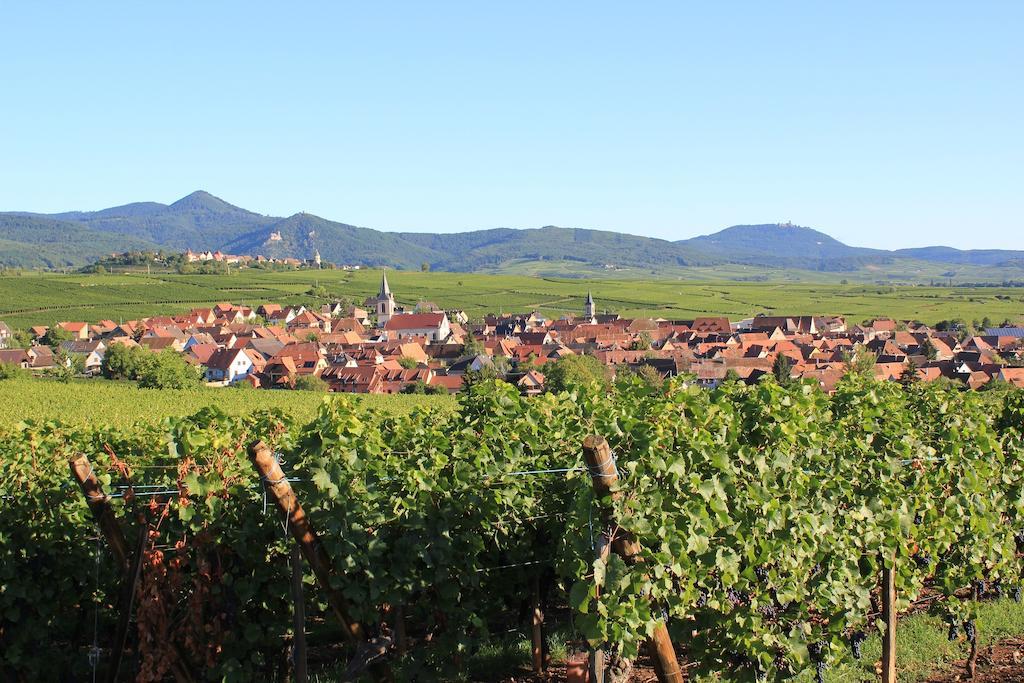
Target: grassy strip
{"x": 103, "y": 402}
{"x": 922, "y": 646}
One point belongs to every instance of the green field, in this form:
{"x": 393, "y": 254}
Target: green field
{"x": 39, "y": 299}
{"x": 102, "y": 402}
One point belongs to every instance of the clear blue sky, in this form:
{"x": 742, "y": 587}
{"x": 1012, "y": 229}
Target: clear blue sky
{"x": 884, "y": 124}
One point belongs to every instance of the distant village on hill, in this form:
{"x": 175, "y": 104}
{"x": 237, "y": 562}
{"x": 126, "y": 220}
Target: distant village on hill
{"x": 381, "y": 348}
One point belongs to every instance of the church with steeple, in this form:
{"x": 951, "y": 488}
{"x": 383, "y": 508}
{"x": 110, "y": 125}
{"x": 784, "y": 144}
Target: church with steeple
{"x": 384, "y": 302}
{"x": 590, "y": 309}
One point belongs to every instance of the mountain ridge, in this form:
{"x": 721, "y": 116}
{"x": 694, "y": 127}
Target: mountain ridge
{"x": 201, "y": 221}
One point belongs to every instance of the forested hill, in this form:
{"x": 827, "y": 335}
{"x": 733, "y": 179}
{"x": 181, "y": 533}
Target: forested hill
{"x": 202, "y": 221}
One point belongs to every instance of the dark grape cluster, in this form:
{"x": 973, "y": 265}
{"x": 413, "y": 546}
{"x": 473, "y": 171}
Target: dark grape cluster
{"x": 1018, "y": 593}
{"x": 702, "y": 599}
{"x": 997, "y": 589}
{"x": 922, "y": 560}
{"x": 918, "y": 518}
{"x": 817, "y": 651}
{"x": 761, "y": 572}
{"x": 769, "y": 611}
{"x": 1019, "y": 537}
{"x": 970, "y": 632}
{"x": 981, "y": 587}
{"x": 954, "y": 631}
{"x": 736, "y": 597}
{"x": 856, "y": 641}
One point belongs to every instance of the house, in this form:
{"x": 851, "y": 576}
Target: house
{"x": 40, "y": 358}
{"x": 18, "y": 357}
{"x": 91, "y": 354}
{"x": 231, "y": 365}
{"x": 78, "y": 330}
{"x": 434, "y": 326}
{"x": 719, "y": 325}
{"x": 6, "y": 334}
{"x": 532, "y": 383}
{"x": 1014, "y": 376}
{"x": 471, "y": 364}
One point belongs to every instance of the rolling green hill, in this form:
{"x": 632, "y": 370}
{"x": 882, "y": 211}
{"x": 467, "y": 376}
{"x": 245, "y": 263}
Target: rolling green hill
{"x": 201, "y": 221}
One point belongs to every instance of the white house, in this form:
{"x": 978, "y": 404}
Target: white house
{"x": 434, "y": 326}
{"x": 229, "y": 365}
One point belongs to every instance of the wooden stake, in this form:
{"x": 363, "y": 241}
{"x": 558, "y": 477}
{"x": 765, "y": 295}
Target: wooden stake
{"x": 280, "y": 490}
{"x": 99, "y": 506}
{"x": 126, "y": 603}
{"x": 105, "y": 518}
{"x": 972, "y": 659}
{"x": 298, "y": 619}
{"x": 538, "y": 629}
{"x": 401, "y": 640}
{"x": 889, "y": 617}
{"x": 604, "y": 476}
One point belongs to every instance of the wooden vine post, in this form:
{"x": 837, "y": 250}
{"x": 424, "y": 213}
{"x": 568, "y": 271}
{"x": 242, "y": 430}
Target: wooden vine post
{"x": 604, "y": 476}
{"x": 277, "y": 486}
{"x": 537, "y": 622}
{"x": 889, "y": 617}
{"x": 130, "y": 565}
{"x": 101, "y": 511}
{"x": 972, "y": 659}
{"x": 298, "y": 619}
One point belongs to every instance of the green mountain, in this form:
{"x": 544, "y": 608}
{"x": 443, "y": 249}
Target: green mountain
{"x": 202, "y": 221}
{"x": 30, "y": 241}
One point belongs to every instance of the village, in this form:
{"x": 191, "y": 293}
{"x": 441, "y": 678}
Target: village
{"x": 381, "y": 348}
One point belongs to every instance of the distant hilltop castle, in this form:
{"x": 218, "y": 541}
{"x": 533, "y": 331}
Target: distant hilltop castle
{"x": 275, "y": 236}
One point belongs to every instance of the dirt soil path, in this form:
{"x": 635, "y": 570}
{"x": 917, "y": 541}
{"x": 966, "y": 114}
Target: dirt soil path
{"x": 1002, "y": 662}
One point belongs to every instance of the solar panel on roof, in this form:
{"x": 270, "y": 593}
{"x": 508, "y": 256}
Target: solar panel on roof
{"x": 1004, "y": 332}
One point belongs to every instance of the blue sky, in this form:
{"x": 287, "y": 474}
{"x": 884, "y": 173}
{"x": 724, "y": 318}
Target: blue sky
{"x": 884, "y": 124}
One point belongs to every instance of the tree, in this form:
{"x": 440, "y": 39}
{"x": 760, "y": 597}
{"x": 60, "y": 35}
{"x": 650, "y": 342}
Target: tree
{"x": 642, "y": 342}
{"x": 12, "y": 371}
{"x": 474, "y": 377}
{"x": 649, "y": 376}
{"x": 20, "y": 339}
{"x": 318, "y": 291}
{"x": 782, "y": 368}
{"x": 502, "y": 365}
{"x": 909, "y": 374}
{"x": 861, "y": 361}
{"x": 311, "y": 383}
{"x": 123, "y": 362}
{"x": 928, "y": 350}
{"x": 55, "y": 334}
{"x": 168, "y": 370}
{"x": 472, "y": 346}
{"x": 407, "y": 363}
{"x": 573, "y": 372}
{"x": 425, "y": 267}
{"x": 67, "y": 366}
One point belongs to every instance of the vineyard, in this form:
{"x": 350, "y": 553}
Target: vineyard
{"x": 40, "y": 299}
{"x": 97, "y": 402}
{"x": 752, "y": 532}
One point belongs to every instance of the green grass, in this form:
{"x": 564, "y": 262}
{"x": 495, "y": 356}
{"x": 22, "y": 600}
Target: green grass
{"x": 39, "y": 299}
{"x": 102, "y": 402}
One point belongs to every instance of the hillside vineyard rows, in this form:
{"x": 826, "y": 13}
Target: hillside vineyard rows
{"x": 39, "y": 299}
{"x": 122, "y": 403}
{"x": 761, "y": 518}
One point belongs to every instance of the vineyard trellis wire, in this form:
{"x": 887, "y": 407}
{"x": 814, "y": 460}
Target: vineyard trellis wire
{"x": 760, "y": 515}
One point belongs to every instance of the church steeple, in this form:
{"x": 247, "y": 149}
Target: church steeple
{"x": 385, "y": 300}
{"x": 589, "y": 308}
